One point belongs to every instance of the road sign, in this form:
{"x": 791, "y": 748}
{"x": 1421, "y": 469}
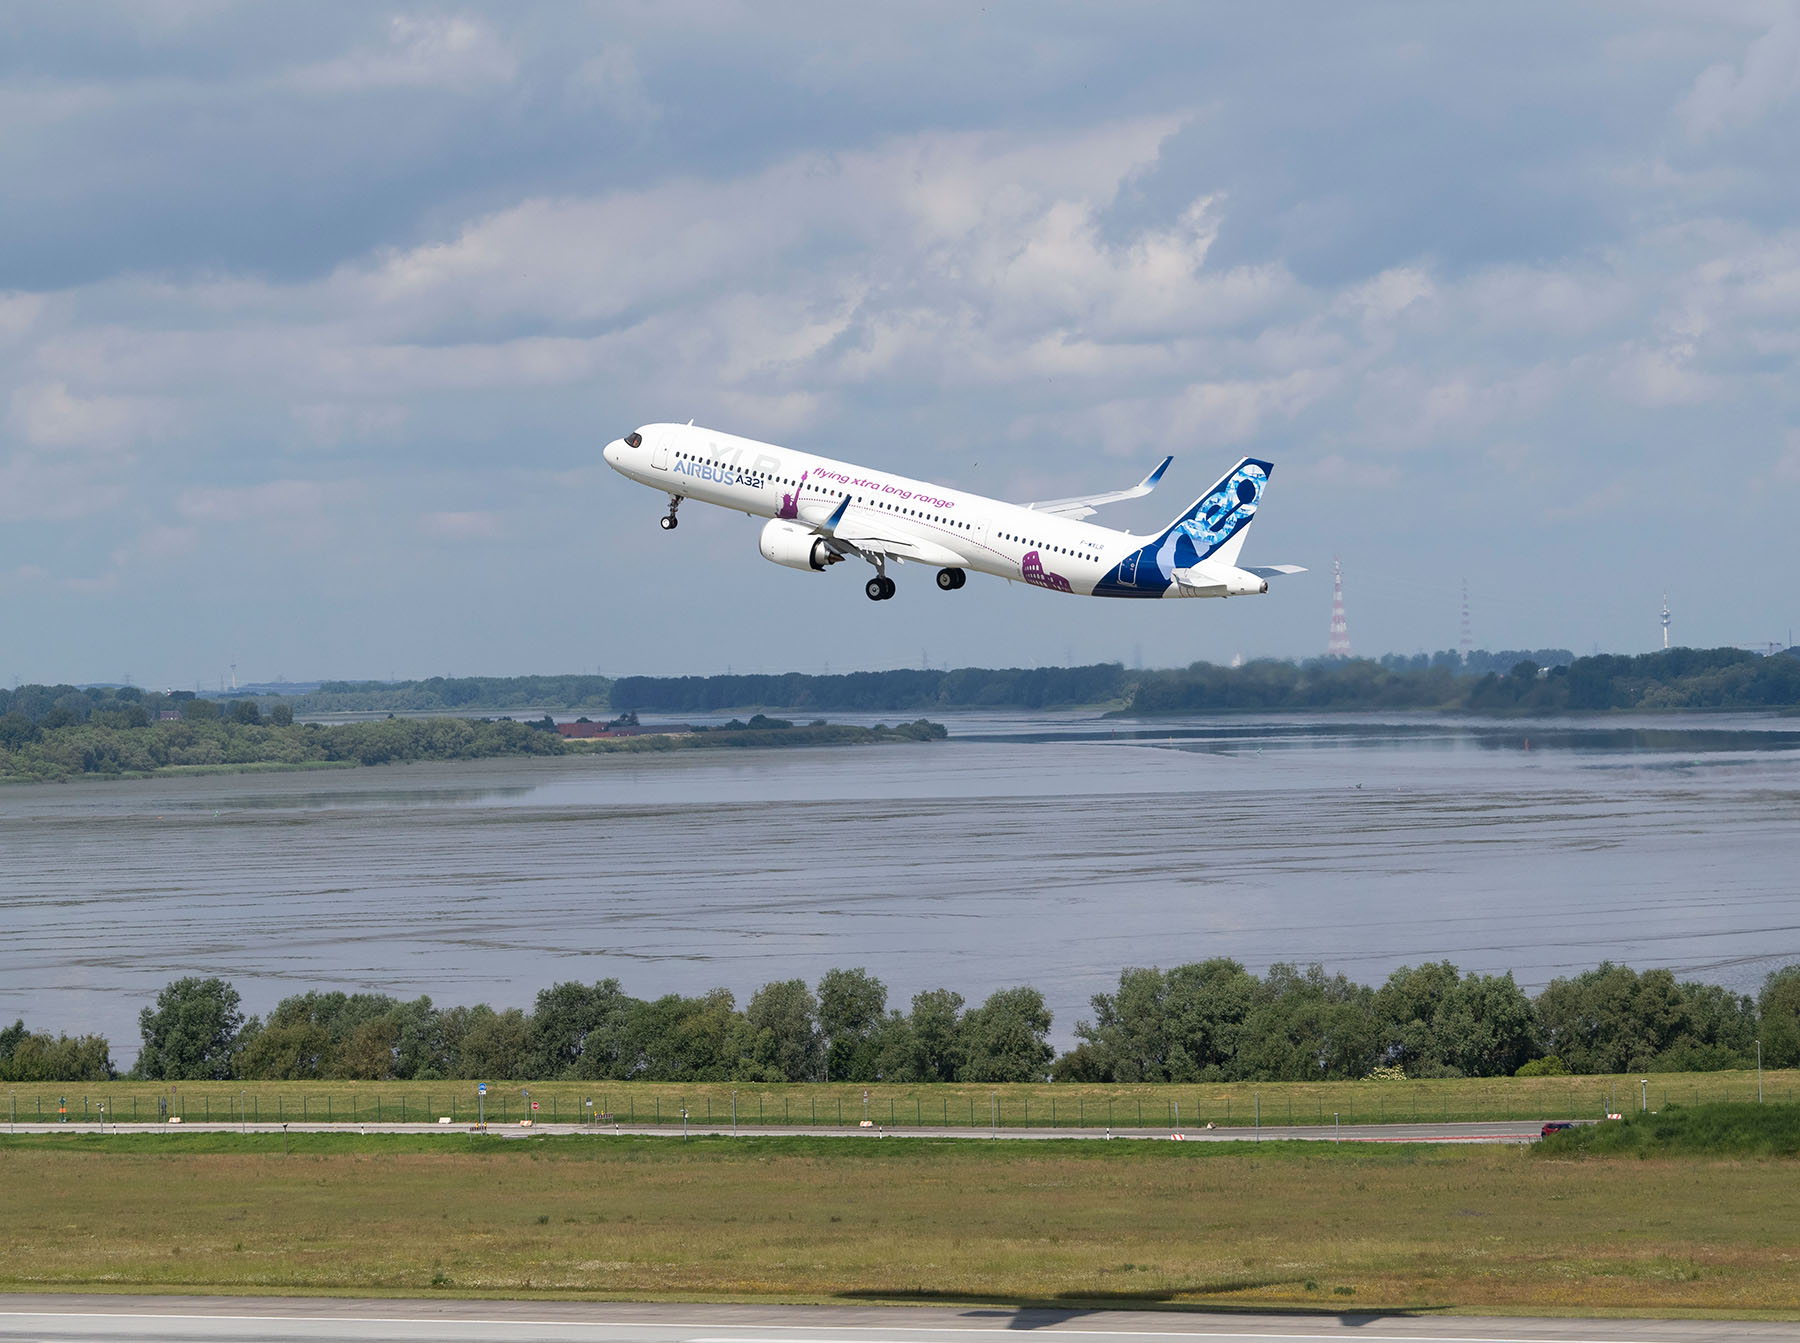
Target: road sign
{"x": 481, "y": 1088}
{"x": 534, "y": 1105}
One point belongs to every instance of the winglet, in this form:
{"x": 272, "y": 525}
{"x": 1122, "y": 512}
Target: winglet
{"x": 1149, "y": 482}
{"x": 830, "y": 524}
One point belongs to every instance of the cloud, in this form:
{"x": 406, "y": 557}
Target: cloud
{"x": 465, "y": 526}
{"x": 437, "y": 51}
{"x": 1728, "y": 97}
{"x": 276, "y": 500}
{"x": 48, "y": 415}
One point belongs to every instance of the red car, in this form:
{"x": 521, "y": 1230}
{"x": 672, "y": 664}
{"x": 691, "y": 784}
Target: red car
{"x": 1555, "y": 1126}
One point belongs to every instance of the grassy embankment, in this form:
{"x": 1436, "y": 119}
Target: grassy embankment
{"x": 1072, "y": 1223}
{"x": 1063, "y": 1105}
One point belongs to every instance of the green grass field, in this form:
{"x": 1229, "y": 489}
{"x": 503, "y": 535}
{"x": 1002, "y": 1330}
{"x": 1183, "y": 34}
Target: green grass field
{"x": 807, "y": 1219}
{"x": 972, "y": 1106}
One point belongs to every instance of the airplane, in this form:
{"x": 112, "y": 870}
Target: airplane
{"x": 821, "y": 512}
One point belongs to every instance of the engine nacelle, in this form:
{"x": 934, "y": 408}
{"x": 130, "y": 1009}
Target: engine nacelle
{"x": 796, "y": 546}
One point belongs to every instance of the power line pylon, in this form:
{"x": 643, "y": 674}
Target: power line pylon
{"x": 1339, "y": 646}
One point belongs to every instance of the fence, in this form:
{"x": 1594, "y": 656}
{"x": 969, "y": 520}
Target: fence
{"x": 1163, "y": 1107}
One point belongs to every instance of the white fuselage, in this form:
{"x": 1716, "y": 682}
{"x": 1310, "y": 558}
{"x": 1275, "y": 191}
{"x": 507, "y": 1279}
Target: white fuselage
{"x": 943, "y": 527}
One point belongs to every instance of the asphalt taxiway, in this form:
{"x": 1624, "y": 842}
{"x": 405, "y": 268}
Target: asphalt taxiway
{"x": 78, "y": 1319}
{"x": 1483, "y": 1131}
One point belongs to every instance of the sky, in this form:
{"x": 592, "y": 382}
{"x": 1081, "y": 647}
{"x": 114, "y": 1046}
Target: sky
{"x": 315, "y": 318}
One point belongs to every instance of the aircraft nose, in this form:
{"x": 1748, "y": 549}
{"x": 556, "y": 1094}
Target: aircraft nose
{"x": 611, "y": 453}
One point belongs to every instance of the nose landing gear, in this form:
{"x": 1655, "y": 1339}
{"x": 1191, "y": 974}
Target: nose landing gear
{"x": 669, "y": 522}
{"x": 951, "y": 579}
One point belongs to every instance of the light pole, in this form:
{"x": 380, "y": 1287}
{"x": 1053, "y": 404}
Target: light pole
{"x": 1644, "y": 1090}
{"x": 684, "y": 1123}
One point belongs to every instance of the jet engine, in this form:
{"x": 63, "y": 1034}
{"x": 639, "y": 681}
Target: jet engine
{"x": 796, "y": 546}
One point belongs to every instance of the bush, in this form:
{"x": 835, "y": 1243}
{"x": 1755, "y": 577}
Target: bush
{"x": 1548, "y": 1066}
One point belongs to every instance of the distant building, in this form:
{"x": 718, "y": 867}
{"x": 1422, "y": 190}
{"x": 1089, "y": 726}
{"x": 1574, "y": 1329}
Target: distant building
{"x": 168, "y": 715}
{"x": 626, "y": 725}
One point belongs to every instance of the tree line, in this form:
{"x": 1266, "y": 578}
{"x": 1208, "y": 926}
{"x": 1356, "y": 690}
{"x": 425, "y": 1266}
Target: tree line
{"x": 1544, "y": 680}
{"x": 122, "y": 731}
{"x": 1208, "y": 1021}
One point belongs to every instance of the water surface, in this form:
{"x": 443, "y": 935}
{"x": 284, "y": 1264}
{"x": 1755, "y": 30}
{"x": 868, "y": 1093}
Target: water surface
{"x": 1049, "y": 849}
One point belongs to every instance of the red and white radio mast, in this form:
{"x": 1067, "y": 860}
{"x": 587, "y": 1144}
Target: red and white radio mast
{"x": 1339, "y": 647}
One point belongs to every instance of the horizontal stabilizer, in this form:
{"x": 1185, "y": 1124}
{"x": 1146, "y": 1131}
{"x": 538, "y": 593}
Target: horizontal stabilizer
{"x": 1082, "y": 505}
{"x": 1273, "y": 570}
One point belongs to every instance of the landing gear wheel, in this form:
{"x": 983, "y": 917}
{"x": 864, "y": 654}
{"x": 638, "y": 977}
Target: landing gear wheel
{"x": 876, "y": 589}
{"x": 668, "y": 522}
{"x": 951, "y": 579}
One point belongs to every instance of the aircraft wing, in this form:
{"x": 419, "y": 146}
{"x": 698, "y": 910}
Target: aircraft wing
{"x": 1082, "y": 505}
{"x": 867, "y": 542}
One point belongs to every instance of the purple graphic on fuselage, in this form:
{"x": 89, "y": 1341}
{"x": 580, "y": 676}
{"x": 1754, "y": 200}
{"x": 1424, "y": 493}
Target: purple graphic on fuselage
{"x": 790, "y": 503}
{"x": 1032, "y": 570}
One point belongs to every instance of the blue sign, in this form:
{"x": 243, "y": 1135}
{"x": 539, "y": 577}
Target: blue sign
{"x": 481, "y": 1088}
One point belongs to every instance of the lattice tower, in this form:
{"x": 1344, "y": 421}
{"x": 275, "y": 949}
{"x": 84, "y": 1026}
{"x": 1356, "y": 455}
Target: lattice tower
{"x": 1465, "y": 643}
{"x": 1665, "y": 622}
{"x": 1339, "y": 646}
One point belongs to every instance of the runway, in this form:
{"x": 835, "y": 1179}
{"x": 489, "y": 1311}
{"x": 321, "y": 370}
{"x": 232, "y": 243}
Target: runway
{"x": 1482, "y": 1131}
{"x": 76, "y": 1319}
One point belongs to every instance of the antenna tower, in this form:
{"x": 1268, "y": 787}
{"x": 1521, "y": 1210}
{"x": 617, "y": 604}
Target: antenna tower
{"x": 1665, "y": 622}
{"x": 1339, "y": 646}
{"x": 1465, "y": 643}
{"x": 234, "y": 676}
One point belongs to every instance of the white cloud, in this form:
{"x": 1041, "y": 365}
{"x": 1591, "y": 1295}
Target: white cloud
{"x": 1729, "y": 97}
{"x": 273, "y": 500}
{"x": 33, "y": 489}
{"x": 1787, "y": 467}
{"x": 466, "y": 526}
{"x": 48, "y": 415}
{"x": 436, "y": 51}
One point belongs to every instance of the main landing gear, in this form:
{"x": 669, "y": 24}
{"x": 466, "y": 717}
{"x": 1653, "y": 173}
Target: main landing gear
{"x": 669, "y": 521}
{"x": 951, "y": 579}
{"x": 879, "y": 588}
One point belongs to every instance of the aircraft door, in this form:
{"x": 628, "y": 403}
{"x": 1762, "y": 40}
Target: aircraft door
{"x": 1128, "y": 568}
{"x": 660, "y": 457}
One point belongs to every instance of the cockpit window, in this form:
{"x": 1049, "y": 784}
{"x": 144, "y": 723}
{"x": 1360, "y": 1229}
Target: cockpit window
{"x": 634, "y": 439}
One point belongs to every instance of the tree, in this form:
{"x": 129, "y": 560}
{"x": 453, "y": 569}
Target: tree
{"x": 1611, "y": 1019}
{"x": 281, "y": 715}
{"x": 38, "y": 1056}
{"x": 784, "y": 1021}
{"x": 572, "y": 1020}
{"x": 937, "y": 1035}
{"x": 1006, "y": 1038}
{"x": 1129, "y": 1036}
{"x": 851, "y": 1004}
{"x": 488, "y": 1044}
{"x": 191, "y": 1035}
{"x": 1206, "y": 1006}
{"x": 1778, "y": 1010}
